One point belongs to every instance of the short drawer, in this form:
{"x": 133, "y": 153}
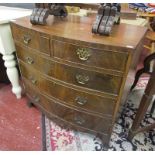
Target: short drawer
{"x": 86, "y": 120}
{"x": 68, "y": 95}
{"x": 31, "y": 38}
{"x": 112, "y": 60}
{"x": 89, "y": 79}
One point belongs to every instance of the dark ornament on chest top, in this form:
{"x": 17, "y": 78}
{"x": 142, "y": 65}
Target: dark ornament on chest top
{"x": 108, "y": 14}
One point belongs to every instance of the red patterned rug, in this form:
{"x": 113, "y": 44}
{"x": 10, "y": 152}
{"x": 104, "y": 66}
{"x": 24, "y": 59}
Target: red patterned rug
{"x": 61, "y": 139}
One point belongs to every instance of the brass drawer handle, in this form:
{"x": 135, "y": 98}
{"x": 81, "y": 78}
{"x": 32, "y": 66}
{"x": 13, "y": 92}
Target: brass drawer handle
{"x": 82, "y": 79}
{"x": 29, "y": 60}
{"x": 34, "y": 81}
{"x": 81, "y": 100}
{"x": 83, "y": 54}
{"x": 36, "y": 98}
{"x": 79, "y": 120}
{"x": 26, "y": 39}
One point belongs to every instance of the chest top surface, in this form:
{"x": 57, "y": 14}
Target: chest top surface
{"x": 79, "y": 29}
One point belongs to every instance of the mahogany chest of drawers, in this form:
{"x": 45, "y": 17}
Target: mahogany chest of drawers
{"x": 76, "y": 78}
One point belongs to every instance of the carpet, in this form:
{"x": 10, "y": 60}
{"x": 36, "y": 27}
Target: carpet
{"x": 56, "y": 138}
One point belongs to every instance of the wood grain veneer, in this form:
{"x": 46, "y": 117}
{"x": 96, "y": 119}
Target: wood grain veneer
{"x": 75, "y": 77}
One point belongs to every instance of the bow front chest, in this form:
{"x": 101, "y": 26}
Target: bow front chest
{"x": 77, "y": 78}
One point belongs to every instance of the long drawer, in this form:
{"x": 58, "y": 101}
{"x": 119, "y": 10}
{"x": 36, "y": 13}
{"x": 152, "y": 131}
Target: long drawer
{"x": 74, "y": 75}
{"x": 86, "y": 120}
{"x": 68, "y": 95}
{"x": 30, "y": 38}
{"x": 112, "y": 60}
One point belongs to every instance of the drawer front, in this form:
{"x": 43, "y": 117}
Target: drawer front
{"x": 31, "y": 58}
{"x": 81, "y": 77}
{"x": 89, "y": 79}
{"x": 74, "y": 97}
{"x": 89, "y": 56}
{"x": 71, "y": 115}
{"x": 33, "y": 39}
